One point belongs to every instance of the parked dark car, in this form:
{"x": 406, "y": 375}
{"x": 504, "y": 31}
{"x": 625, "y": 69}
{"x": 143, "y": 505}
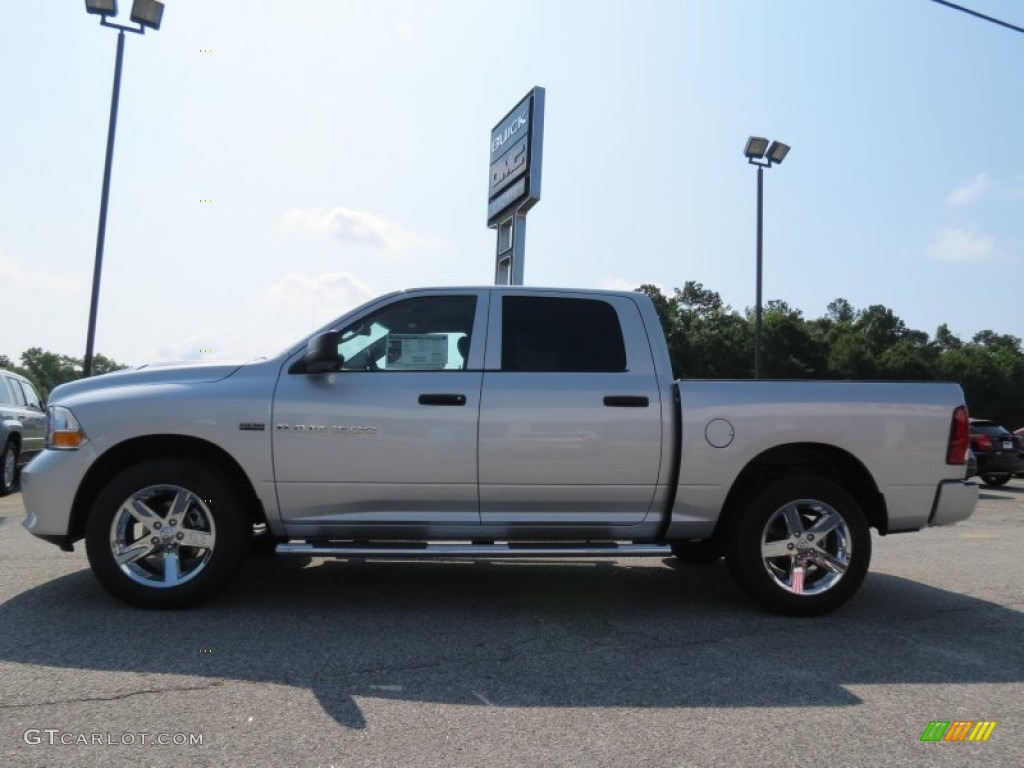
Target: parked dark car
{"x": 998, "y": 452}
{"x": 1020, "y": 445}
{"x": 22, "y": 426}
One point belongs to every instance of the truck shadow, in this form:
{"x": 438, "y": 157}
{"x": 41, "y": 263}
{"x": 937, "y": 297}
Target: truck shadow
{"x": 592, "y": 634}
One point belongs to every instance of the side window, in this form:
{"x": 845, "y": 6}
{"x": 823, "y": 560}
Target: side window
{"x": 5, "y": 393}
{"x": 31, "y": 396}
{"x": 560, "y": 334}
{"x": 19, "y": 395}
{"x": 428, "y": 333}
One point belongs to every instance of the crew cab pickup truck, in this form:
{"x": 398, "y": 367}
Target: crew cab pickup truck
{"x": 491, "y": 422}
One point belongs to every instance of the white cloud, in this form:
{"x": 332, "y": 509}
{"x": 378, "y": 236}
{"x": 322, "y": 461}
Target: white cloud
{"x": 217, "y": 344}
{"x": 617, "y": 284}
{"x": 327, "y": 295}
{"x": 356, "y": 228}
{"x": 17, "y": 279}
{"x": 610, "y": 283}
{"x": 961, "y": 245}
{"x": 405, "y": 30}
{"x": 971, "y": 191}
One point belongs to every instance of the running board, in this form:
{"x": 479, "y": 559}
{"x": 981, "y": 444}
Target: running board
{"x": 483, "y": 551}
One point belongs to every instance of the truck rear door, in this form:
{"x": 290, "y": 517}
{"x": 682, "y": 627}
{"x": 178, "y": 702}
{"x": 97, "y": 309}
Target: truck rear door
{"x": 570, "y": 413}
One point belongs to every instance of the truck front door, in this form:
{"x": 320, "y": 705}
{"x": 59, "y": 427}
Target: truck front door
{"x": 391, "y": 437}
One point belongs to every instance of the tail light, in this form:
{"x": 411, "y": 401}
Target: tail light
{"x": 981, "y": 442}
{"x": 959, "y": 437}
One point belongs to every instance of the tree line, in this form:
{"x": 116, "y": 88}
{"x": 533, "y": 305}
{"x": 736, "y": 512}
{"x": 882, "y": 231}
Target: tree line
{"x": 46, "y": 370}
{"x": 708, "y": 339}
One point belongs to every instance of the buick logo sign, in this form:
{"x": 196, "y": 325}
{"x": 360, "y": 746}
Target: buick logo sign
{"x": 519, "y": 123}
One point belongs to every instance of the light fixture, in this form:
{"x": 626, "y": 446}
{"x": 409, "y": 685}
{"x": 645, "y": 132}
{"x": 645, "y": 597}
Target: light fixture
{"x": 755, "y": 147}
{"x": 777, "y": 152}
{"x": 147, "y": 13}
{"x": 102, "y": 7}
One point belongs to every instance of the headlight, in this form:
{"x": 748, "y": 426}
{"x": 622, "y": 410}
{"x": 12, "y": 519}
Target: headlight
{"x": 63, "y": 432}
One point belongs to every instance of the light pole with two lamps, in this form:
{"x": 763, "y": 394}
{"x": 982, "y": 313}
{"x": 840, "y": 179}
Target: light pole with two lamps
{"x": 145, "y": 13}
{"x": 759, "y": 153}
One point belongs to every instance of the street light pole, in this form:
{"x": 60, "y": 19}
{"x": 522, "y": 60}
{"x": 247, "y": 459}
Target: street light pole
{"x": 145, "y": 13}
{"x": 101, "y": 230}
{"x": 759, "y": 153}
{"x": 759, "y": 312}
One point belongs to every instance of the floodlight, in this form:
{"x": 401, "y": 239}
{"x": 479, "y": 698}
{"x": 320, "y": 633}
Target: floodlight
{"x": 755, "y": 147}
{"x": 777, "y": 152}
{"x": 102, "y": 7}
{"x": 147, "y": 13}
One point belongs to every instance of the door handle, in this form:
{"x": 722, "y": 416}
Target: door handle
{"x": 626, "y": 401}
{"x": 441, "y": 399}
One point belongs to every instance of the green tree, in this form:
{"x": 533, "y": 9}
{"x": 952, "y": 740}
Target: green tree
{"x": 48, "y": 370}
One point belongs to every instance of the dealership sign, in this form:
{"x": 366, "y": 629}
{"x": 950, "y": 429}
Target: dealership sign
{"x": 516, "y": 144}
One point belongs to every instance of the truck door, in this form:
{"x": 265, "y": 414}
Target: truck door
{"x": 570, "y": 415}
{"x": 391, "y": 437}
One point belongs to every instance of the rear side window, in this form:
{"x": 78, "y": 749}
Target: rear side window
{"x": 15, "y": 385}
{"x": 560, "y": 335}
{"x": 31, "y": 396}
{"x": 5, "y": 393}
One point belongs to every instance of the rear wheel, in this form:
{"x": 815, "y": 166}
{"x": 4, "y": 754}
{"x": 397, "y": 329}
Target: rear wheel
{"x": 801, "y": 547}
{"x": 166, "y": 533}
{"x": 8, "y": 468}
{"x": 995, "y": 480}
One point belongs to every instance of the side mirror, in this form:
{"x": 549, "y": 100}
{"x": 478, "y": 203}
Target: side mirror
{"x": 322, "y": 353}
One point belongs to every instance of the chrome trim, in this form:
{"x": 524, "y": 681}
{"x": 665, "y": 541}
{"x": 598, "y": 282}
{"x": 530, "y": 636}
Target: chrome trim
{"x": 416, "y": 550}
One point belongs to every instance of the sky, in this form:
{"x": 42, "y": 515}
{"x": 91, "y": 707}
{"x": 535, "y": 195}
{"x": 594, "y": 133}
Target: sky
{"x": 278, "y": 164}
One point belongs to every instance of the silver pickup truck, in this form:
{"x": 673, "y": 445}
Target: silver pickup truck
{"x": 491, "y": 422}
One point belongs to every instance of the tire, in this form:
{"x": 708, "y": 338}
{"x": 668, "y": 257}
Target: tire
{"x": 697, "y": 551}
{"x": 9, "y": 469}
{"x": 770, "y": 540}
{"x": 177, "y": 527}
{"x": 994, "y": 481}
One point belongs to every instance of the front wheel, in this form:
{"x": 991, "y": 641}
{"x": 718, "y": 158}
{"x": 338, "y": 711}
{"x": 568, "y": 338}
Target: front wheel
{"x": 166, "y": 533}
{"x": 801, "y": 547}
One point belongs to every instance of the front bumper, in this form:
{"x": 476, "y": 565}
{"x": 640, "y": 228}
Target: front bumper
{"x": 48, "y": 487}
{"x": 954, "y": 501}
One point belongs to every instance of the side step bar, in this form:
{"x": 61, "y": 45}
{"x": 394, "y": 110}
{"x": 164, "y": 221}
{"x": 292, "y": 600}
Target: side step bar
{"x": 483, "y": 551}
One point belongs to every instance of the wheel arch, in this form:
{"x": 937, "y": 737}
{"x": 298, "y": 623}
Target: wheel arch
{"x": 828, "y": 461}
{"x": 138, "y": 449}
{"x": 13, "y": 436}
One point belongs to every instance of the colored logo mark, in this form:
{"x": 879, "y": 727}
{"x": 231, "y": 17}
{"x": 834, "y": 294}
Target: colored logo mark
{"x": 958, "y": 730}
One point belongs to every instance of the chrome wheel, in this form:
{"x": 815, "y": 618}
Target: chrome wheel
{"x": 806, "y": 547}
{"x": 162, "y": 536}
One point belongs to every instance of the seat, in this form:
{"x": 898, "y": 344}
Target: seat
{"x": 463, "y": 347}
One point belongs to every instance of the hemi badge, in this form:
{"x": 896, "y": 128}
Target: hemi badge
{"x": 252, "y": 426}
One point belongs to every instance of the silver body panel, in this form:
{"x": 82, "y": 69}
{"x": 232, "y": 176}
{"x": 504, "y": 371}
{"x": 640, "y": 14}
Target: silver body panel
{"x": 524, "y": 456}
{"x": 899, "y": 432}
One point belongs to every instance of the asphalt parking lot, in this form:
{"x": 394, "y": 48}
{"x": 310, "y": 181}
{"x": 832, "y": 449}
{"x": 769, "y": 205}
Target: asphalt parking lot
{"x": 576, "y": 663}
